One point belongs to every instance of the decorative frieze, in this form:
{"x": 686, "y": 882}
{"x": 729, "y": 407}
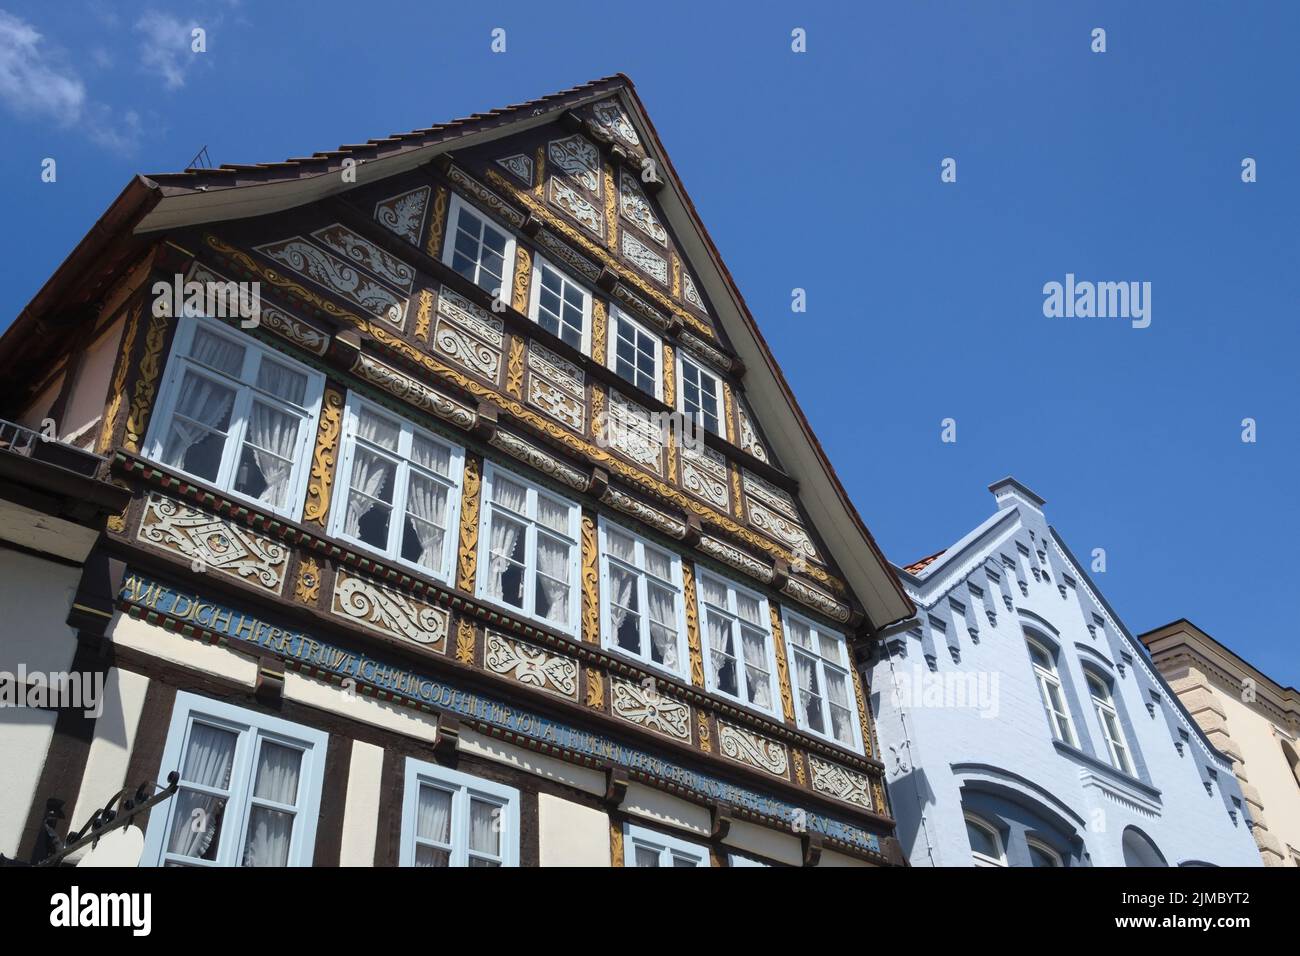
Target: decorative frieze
{"x": 366, "y": 254}
{"x": 703, "y": 350}
{"x": 273, "y": 318}
{"x": 387, "y": 611}
{"x": 636, "y": 208}
{"x": 577, "y": 157}
{"x": 840, "y": 782}
{"x": 469, "y": 335}
{"x": 631, "y": 430}
{"x": 211, "y": 543}
{"x": 531, "y": 666}
{"x": 576, "y": 205}
{"x": 520, "y": 166}
{"x": 556, "y": 386}
{"x": 749, "y": 441}
{"x": 639, "y": 306}
{"x": 691, "y": 295}
{"x": 645, "y": 258}
{"x": 403, "y": 214}
{"x": 413, "y": 391}
{"x": 734, "y": 557}
{"x": 704, "y": 474}
{"x": 817, "y": 599}
{"x": 648, "y": 708}
{"x": 659, "y": 520}
{"x": 300, "y": 256}
{"x": 745, "y": 746}
{"x": 486, "y": 197}
{"x": 560, "y": 251}
{"x": 545, "y": 462}
{"x": 610, "y": 117}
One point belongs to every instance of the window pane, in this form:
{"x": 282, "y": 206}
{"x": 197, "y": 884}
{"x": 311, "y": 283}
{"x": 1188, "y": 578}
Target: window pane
{"x": 218, "y": 352}
{"x": 659, "y": 563}
{"x": 552, "y": 579}
{"x": 621, "y": 546}
{"x": 799, "y": 633}
{"x": 623, "y": 610}
{"x": 1039, "y": 857}
{"x": 266, "y": 462}
{"x": 423, "y": 534}
{"x": 434, "y": 456}
{"x": 269, "y": 835}
{"x": 646, "y": 856}
{"x": 433, "y": 815}
{"x": 715, "y": 592}
{"x": 982, "y": 840}
{"x": 431, "y": 856}
{"x": 749, "y": 609}
{"x": 196, "y": 825}
{"x": 506, "y": 561}
{"x": 508, "y": 494}
{"x": 553, "y": 514}
{"x": 196, "y": 439}
{"x": 277, "y": 773}
{"x": 281, "y": 381}
{"x": 378, "y": 430}
{"x": 484, "y": 827}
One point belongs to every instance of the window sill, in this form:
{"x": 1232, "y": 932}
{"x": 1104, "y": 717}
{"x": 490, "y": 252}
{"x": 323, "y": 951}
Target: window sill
{"x": 1101, "y": 771}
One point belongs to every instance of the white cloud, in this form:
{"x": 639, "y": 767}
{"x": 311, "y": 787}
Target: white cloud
{"x": 165, "y": 46}
{"x": 32, "y": 82}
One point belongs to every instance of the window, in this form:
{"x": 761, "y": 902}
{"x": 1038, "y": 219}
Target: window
{"x": 985, "y": 842}
{"x": 480, "y": 251}
{"x": 403, "y": 490}
{"x": 635, "y": 354}
{"x": 249, "y": 789}
{"x": 1049, "y": 688}
{"x": 701, "y": 397}
{"x": 642, "y": 613}
{"x": 738, "y": 644}
{"x": 643, "y": 847}
{"x": 1040, "y": 854}
{"x": 560, "y": 306}
{"x": 824, "y": 698}
{"x": 237, "y": 415}
{"x": 740, "y": 860}
{"x": 1108, "y": 717}
{"x": 455, "y": 819}
{"x": 531, "y": 542}
{"x": 1292, "y": 759}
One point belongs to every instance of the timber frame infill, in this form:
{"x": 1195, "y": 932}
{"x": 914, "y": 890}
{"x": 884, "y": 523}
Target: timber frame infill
{"x": 365, "y": 348}
{"x": 459, "y": 655}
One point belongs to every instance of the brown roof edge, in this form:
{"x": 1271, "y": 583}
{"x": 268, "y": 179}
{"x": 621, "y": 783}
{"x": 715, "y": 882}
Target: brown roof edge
{"x": 748, "y": 316}
{"x": 1187, "y": 627}
{"x": 131, "y": 205}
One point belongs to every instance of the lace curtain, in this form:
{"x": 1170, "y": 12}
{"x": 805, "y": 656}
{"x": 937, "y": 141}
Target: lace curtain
{"x": 208, "y": 404}
{"x": 553, "y": 581}
{"x": 806, "y": 674}
{"x": 837, "y": 692}
{"x": 506, "y": 534}
{"x": 433, "y": 822}
{"x": 663, "y": 625}
{"x": 719, "y": 629}
{"x": 372, "y": 476}
{"x": 758, "y": 678}
{"x": 426, "y": 502}
{"x": 272, "y": 435}
{"x": 197, "y": 816}
{"x": 270, "y": 831}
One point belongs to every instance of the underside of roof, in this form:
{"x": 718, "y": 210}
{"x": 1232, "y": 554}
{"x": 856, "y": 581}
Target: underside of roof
{"x": 151, "y": 205}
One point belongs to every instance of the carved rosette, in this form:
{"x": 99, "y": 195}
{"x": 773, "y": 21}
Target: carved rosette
{"x": 437, "y": 224}
{"x": 423, "y": 314}
{"x": 692, "y": 625}
{"x": 782, "y": 668}
{"x": 307, "y": 587}
{"x": 467, "y": 556}
{"x": 146, "y": 384}
{"x": 648, "y": 708}
{"x": 465, "y": 642}
{"x": 324, "y": 457}
{"x": 523, "y": 269}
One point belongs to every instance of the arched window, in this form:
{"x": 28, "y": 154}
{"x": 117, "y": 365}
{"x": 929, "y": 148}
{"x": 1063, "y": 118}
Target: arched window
{"x": 1040, "y": 854}
{"x": 1049, "y": 688}
{"x": 985, "y": 842}
{"x": 1108, "y": 716}
{"x": 1292, "y": 760}
{"x": 1139, "y": 850}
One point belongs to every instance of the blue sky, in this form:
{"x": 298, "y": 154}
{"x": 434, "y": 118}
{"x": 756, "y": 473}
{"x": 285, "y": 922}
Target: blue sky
{"x": 821, "y": 171}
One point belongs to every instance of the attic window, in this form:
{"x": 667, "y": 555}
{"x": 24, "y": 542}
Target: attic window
{"x": 701, "y": 397}
{"x": 478, "y": 250}
{"x": 560, "y": 306}
{"x": 635, "y": 354}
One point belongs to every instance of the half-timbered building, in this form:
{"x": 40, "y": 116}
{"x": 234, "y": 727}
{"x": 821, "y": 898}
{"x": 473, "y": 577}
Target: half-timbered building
{"x": 468, "y": 520}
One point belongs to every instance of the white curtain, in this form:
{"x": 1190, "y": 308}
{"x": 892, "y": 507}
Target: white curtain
{"x": 208, "y": 759}
{"x": 553, "y": 581}
{"x": 282, "y": 382}
{"x": 760, "y": 684}
{"x": 206, "y": 402}
{"x": 837, "y": 692}
{"x": 623, "y": 588}
{"x": 505, "y": 533}
{"x": 719, "y": 637}
{"x": 433, "y": 822}
{"x": 484, "y": 828}
{"x": 273, "y": 435}
{"x": 270, "y": 831}
{"x": 371, "y": 474}
{"x": 217, "y": 352}
{"x": 806, "y": 674}
{"x": 426, "y": 501}
{"x": 663, "y": 627}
